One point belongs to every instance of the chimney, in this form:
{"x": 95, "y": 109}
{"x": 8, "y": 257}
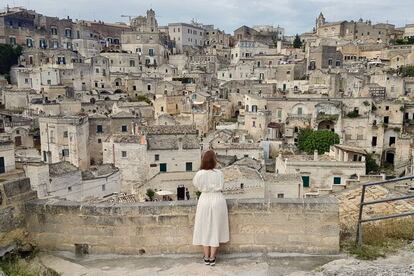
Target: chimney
{"x": 315, "y": 155}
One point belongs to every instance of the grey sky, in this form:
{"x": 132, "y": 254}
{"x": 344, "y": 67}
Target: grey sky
{"x": 294, "y": 15}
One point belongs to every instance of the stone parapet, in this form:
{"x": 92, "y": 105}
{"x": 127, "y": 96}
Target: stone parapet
{"x": 282, "y": 225}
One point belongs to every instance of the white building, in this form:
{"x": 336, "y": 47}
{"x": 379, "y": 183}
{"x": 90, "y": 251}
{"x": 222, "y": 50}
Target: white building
{"x": 184, "y": 34}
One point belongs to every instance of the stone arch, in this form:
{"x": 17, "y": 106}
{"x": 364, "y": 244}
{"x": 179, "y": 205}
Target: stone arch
{"x": 326, "y": 125}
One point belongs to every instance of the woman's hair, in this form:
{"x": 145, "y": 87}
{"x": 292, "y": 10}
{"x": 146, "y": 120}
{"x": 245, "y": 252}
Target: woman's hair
{"x": 208, "y": 160}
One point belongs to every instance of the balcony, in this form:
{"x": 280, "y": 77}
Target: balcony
{"x": 303, "y": 117}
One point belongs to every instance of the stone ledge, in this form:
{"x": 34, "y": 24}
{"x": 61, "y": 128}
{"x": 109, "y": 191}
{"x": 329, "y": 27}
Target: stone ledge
{"x": 280, "y": 225}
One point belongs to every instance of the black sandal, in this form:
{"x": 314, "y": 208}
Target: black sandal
{"x": 212, "y": 262}
{"x": 206, "y": 261}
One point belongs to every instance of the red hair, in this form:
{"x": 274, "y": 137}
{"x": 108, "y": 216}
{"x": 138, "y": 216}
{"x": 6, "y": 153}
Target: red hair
{"x": 208, "y": 160}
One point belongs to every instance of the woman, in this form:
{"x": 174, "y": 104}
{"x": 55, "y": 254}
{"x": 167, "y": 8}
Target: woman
{"x": 211, "y": 221}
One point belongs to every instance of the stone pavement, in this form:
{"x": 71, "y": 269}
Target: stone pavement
{"x": 240, "y": 265}
{"x": 399, "y": 264}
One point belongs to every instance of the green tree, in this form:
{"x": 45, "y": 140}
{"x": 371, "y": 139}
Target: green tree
{"x": 406, "y": 71}
{"x": 150, "y": 194}
{"x": 297, "y": 43}
{"x": 9, "y": 56}
{"x": 310, "y": 140}
{"x": 371, "y": 165}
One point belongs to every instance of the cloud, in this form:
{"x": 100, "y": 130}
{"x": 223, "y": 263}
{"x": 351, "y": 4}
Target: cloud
{"x": 295, "y": 16}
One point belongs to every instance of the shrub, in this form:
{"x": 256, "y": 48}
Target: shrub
{"x": 150, "y": 194}
{"x": 371, "y": 165}
{"x": 352, "y": 114}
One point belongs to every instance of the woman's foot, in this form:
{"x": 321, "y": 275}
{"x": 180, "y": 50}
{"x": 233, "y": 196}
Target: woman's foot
{"x": 206, "y": 260}
{"x": 212, "y": 262}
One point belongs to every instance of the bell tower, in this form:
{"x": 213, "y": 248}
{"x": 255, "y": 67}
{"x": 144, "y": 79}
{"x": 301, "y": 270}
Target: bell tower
{"x": 320, "y": 21}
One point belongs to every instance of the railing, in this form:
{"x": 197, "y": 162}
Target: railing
{"x": 300, "y": 116}
{"x": 365, "y": 203}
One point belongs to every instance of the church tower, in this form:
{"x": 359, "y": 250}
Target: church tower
{"x": 320, "y": 21}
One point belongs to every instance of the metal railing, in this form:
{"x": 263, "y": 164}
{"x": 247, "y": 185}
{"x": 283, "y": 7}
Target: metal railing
{"x": 365, "y": 203}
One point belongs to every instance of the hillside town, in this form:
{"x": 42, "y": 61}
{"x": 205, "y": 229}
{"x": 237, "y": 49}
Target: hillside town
{"x": 121, "y": 112}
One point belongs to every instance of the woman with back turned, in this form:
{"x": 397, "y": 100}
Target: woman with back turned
{"x": 211, "y": 221}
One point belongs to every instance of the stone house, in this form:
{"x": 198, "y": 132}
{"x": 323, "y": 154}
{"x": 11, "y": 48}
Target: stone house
{"x": 282, "y": 186}
{"x": 324, "y": 172}
{"x": 63, "y": 180}
{"x": 7, "y": 158}
{"x": 324, "y": 57}
{"x": 65, "y": 138}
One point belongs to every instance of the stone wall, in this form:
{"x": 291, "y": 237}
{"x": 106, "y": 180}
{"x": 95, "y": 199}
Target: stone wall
{"x": 282, "y": 225}
{"x": 13, "y": 195}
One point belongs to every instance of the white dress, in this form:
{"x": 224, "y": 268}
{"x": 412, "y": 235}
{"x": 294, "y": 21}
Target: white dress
{"x": 211, "y": 221}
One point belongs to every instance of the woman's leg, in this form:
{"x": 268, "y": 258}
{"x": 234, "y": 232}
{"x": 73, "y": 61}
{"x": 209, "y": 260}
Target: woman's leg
{"x": 213, "y": 253}
{"x": 206, "y": 250}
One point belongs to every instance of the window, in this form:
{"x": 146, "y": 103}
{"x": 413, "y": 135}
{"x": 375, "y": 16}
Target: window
{"x": 306, "y": 181}
{"x": 65, "y": 152}
{"x": 149, "y": 87}
{"x": 68, "y": 33}
{"x": 188, "y": 166}
{"x": 42, "y": 44}
{"x": 103, "y": 187}
{"x": 300, "y": 111}
{"x": 280, "y": 195}
{"x": 124, "y": 128}
{"x": 338, "y": 63}
{"x": 99, "y": 141}
{"x": 29, "y": 42}
{"x": 54, "y": 31}
{"x": 163, "y": 167}
{"x": 69, "y": 189}
{"x": 374, "y": 141}
{"x": 392, "y": 141}
{"x": 134, "y": 87}
{"x": 387, "y": 107}
{"x": 12, "y": 40}
{"x": 99, "y": 129}
{"x": 132, "y": 63}
{"x": 65, "y": 134}
{"x": 386, "y": 119}
{"x": 162, "y": 109}
{"x": 330, "y": 62}
{"x": 157, "y": 157}
{"x": 254, "y": 124}
{"x": 151, "y": 52}
{"x": 337, "y": 180}
{"x": 124, "y": 154}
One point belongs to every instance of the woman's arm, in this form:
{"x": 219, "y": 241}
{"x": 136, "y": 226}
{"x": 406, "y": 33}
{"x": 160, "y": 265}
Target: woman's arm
{"x": 196, "y": 181}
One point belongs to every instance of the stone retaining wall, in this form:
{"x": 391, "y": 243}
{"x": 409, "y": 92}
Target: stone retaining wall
{"x": 13, "y": 195}
{"x": 282, "y": 225}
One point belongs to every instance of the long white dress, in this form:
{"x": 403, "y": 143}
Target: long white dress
{"x": 211, "y": 221}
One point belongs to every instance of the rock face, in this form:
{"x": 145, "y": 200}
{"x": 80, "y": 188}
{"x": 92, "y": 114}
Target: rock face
{"x": 401, "y": 264}
{"x": 13, "y": 195}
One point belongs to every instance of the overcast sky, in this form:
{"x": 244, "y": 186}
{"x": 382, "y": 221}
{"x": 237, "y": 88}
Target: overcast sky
{"x": 294, "y": 15}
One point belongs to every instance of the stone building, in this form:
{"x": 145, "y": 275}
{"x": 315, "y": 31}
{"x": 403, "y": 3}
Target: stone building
{"x": 64, "y": 180}
{"x": 65, "y": 138}
{"x": 7, "y": 159}
{"x": 186, "y": 35}
{"x": 324, "y": 172}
